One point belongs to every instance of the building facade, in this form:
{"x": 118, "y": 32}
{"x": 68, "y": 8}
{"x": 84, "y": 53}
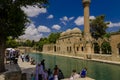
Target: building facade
{"x": 73, "y": 43}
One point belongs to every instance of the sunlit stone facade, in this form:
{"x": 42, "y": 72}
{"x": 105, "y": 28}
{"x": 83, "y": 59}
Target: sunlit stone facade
{"x": 72, "y": 43}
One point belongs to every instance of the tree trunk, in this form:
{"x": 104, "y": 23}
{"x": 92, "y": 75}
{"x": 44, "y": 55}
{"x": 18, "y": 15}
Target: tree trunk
{"x": 2, "y": 55}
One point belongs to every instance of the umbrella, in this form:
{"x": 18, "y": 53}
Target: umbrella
{"x": 8, "y": 49}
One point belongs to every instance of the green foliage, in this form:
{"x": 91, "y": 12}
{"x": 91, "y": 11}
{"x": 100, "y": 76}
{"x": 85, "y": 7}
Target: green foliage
{"x": 13, "y": 21}
{"x": 11, "y": 43}
{"x": 98, "y": 27}
{"x": 107, "y": 35}
{"x": 53, "y": 37}
{"x": 96, "y": 48}
{"x": 41, "y": 43}
{"x": 28, "y": 43}
{"x": 12, "y": 18}
{"x": 106, "y": 48}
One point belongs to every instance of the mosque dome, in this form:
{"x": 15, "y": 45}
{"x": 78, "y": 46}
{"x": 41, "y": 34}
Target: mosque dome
{"x": 76, "y": 30}
{"x": 68, "y": 31}
{"x": 62, "y": 34}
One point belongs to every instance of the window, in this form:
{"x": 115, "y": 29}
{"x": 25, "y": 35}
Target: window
{"x": 77, "y": 48}
{"x": 82, "y": 48}
{"x": 67, "y": 48}
{"x": 70, "y": 49}
{"x": 80, "y": 39}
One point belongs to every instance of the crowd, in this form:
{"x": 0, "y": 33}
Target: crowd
{"x": 41, "y": 73}
{"x": 12, "y": 56}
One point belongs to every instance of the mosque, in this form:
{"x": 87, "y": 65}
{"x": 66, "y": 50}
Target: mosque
{"x": 73, "y": 42}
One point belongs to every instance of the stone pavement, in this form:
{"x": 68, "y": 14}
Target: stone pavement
{"x": 87, "y": 78}
{"x": 27, "y": 68}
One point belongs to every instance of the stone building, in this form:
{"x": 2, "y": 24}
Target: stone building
{"x": 115, "y": 45}
{"x": 72, "y": 43}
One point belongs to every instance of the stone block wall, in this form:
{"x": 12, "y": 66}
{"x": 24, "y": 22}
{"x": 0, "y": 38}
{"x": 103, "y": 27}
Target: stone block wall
{"x": 13, "y": 72}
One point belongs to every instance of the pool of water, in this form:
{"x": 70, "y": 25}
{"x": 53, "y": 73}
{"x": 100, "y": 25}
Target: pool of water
{"x": 96, "y": 70}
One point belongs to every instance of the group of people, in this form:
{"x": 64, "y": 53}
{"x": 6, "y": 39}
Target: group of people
{"x": 75, "y": 75}
{"x": 41, "y": 73}
{"x": 12, "y": 56}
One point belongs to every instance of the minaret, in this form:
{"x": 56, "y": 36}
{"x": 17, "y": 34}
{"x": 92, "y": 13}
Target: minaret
{"x": 87, "y": 35}
{"x": 86, "y": 4}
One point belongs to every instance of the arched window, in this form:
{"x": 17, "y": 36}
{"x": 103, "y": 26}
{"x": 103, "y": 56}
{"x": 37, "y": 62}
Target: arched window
{"x": 118, "y": 46}
{"x": 96, "y": 48}
{"x": 77, "y": 48}
{"x": 82, "y": 48}
{"x": 106, "y": 48}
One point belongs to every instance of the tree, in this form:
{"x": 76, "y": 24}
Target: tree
{"x": 53, "y": 37}
{"x": 98, "y": 27}
{"x": 13, "y": 21}
{"x": 28, "y": 43}
{"x": 41, "y": 43}
{"x": 11, "y": 43}
{"x": 106, "y": 48}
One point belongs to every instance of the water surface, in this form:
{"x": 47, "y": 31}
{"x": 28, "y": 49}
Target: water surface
{"x": 96, "y": 70}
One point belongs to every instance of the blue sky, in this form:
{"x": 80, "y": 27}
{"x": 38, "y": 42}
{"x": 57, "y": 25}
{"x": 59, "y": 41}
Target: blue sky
{"x": 67, "y": 14}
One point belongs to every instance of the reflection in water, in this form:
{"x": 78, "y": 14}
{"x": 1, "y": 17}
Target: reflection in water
{"x": 96, "y": 70}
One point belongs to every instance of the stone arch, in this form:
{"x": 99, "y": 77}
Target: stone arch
{"x": 118, "y": 46}
{"x": 106, "y": 48}
{"x": 96, "y": 48}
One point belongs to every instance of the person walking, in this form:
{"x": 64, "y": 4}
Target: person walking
{"x": 22, "y": 57}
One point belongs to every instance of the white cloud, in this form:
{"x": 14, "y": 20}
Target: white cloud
{"x": 43, "y": 29}
{"x": 57, "y": 27}
{"x": 65, "y": 19}
{"x": 114, "y": 24}
{"x": 50, "y": 16}
{"x": 92, "y": 17}
{"x": 31, "y": 33}
{"x": 33, "y": 11}
{"x": 71, "y": 18}
{"x": 80, "y": 20}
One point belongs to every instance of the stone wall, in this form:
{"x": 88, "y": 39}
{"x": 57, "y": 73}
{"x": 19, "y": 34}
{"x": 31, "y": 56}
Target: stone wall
{"x": 49, "y": 48}
{"x": 13, "y": 72}
{"x": 101, "y": 57}
{"x": 72, "y": 43}
{"x": 24, "y": 49}
{"x": 114, "y": 41}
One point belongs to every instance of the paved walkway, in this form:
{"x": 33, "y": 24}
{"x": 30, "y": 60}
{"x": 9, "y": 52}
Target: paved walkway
{"x": 27, "y": 68}
{"x": 87, "y": 78}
